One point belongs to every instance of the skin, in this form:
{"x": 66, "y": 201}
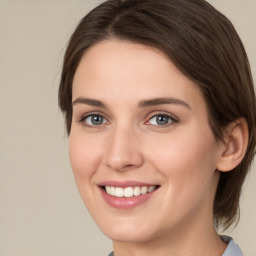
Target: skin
{"x": 181, "y": 157}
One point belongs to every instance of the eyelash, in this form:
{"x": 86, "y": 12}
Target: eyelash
{"x": 172, "y": 120}
{"x": 82, "y": 120}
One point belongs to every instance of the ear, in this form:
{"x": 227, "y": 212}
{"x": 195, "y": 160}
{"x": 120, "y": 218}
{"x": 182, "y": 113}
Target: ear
{"x": 236, "y": 138}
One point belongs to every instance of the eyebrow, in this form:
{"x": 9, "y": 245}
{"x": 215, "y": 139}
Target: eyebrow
{"x": 162, "y": 101}
{"x": 141, "y": 104}
{"x": 88, "y": 101}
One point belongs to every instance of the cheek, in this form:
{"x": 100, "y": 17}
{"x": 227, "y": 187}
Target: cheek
{"x": 84, "y": 155}
{"x": 187, "y": 163}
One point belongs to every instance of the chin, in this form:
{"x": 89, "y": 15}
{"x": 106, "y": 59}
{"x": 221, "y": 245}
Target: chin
{"x": 130, "y": 236}
{"x": 126, "y": 230}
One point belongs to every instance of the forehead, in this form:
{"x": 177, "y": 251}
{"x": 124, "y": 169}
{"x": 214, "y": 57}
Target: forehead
{"x": 123, "y": 70}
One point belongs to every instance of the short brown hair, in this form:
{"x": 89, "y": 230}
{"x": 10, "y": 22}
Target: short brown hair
{"x": 204, "y": 45}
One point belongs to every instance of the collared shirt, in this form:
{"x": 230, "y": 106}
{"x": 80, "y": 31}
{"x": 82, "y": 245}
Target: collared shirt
{"x": 232, "y": 249}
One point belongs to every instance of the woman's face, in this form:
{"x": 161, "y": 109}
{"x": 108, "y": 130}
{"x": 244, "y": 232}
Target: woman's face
{"x": 141, "y": 148}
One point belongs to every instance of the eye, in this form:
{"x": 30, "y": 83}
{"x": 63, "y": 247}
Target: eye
{"x": 94, "y": 120}
{"x": 162, "y": 120}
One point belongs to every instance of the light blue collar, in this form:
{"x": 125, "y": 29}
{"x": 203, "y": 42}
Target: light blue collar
{"x": 232, "y": 249}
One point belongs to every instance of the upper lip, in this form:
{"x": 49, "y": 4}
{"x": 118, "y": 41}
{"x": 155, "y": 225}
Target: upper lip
{"x": 124, "y": 184}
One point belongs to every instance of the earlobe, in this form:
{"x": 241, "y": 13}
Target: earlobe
{"x": 236, "y": 138}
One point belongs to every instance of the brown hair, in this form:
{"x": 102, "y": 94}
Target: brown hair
{"x": 203, "y": 44}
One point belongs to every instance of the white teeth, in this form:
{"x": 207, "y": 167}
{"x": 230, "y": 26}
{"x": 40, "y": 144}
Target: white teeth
{"x": 128, "y": 191}
{"x": 119, "y": 192}
{"x": 151, "y": 188}
{"x": 108, "y": 189}
{"x": 112, "y": 191}
{"x": 144, "y": 190}
{"x": 136, "y": 191}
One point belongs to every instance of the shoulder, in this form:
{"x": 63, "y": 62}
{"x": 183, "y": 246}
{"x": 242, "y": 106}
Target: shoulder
{"x": 232, "y": 249}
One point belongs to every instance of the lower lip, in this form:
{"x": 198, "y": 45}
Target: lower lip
{"x": 126, "y": 202}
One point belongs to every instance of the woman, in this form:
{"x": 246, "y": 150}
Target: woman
{"x": 160, "y": 110}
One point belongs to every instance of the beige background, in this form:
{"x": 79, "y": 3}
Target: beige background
{"x": 41, "y": 213}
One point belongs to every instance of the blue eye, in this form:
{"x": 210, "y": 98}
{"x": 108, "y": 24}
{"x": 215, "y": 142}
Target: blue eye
{"x": 94, "y": 119}
{"x": 161, "y": 120}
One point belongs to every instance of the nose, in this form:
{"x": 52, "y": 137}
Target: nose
{"x": 123, "y": 151}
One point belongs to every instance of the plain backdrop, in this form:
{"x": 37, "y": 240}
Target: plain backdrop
{"x": 41, "y": 213}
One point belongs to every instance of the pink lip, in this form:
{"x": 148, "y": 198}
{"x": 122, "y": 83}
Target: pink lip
{"x": 125, "y": 202}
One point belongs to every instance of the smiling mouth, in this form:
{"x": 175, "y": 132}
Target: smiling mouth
{"x": 129, "y": 191}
